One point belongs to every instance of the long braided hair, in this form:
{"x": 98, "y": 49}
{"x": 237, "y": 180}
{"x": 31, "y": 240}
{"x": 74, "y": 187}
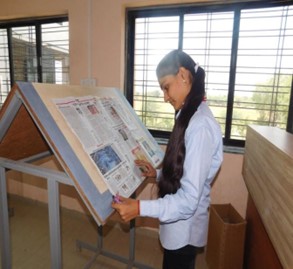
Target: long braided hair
{"x": 172, "y": 166}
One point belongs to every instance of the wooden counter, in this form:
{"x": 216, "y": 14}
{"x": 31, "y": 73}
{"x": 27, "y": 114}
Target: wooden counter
{"x": 268, "y": 174}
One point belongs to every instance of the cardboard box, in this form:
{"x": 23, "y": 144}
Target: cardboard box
{"x": 226, "y": 238}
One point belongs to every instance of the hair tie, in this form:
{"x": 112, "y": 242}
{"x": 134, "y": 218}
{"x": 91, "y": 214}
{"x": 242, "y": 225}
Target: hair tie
{"x": 196, "y": 67}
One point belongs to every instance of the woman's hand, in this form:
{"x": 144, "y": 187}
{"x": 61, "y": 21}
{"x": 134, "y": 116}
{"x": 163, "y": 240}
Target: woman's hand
{"x": 127, "y": 208}
{"x": 147, "y": 169}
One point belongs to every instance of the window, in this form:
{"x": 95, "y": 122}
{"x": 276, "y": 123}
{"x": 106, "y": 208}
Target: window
{"x": 35, "y": 51}
{"x": 4, "y": 67}
{"x": 246, "y": 50}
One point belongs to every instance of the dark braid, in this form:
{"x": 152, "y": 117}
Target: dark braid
{"x": 172, "y": 169}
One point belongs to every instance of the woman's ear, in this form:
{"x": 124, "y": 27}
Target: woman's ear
{"x": 184, "y": 74}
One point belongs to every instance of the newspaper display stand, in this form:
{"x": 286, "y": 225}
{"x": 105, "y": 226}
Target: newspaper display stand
{"x": 32, "y": 126}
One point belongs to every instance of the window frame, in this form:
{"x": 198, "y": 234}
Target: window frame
{"x": 180, "y": 10}
{"x": 37, "y": 23}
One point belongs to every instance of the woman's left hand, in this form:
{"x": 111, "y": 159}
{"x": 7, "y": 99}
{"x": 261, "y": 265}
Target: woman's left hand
{"x": 127, "y": 208}
{"x": 147, "y": 169}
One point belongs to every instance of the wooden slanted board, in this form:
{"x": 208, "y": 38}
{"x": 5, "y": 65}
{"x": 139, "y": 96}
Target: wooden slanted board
{"x": 47, "y": 129}
{"x": 268, "y": 173}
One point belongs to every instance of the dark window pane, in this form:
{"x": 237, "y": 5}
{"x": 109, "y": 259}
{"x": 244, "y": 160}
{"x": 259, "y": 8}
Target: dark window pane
{"x": 39, "y": 52}
{"x": 4, "y": 67}
{"x": 24, "y": 54}
{"x": 55, "y": 53}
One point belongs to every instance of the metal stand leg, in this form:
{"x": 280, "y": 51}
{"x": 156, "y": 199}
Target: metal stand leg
{"x": 4, "y": 223}
{"x": 98, "y": 250}
{"x": 53, "y": 178}
{"x": 54, "y": 223}
{"x": 131, "y": 244}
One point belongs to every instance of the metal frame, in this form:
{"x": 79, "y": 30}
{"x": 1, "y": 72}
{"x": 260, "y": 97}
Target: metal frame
{"x": 8, "y": 117}
{"x": 180, "y": 10}
{"x": 98, "y": 250}
{"x": 53, "y": 179}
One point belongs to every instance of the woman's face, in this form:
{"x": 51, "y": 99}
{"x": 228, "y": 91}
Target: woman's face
{"x": 176, "y": 88}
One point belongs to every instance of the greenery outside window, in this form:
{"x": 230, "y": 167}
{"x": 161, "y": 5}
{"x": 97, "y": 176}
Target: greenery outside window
{"x": 246, "y": 50}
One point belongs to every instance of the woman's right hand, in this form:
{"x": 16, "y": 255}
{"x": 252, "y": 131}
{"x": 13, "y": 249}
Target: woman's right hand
{"x": 147, "y": 169}
{"x": 127, "y": 208}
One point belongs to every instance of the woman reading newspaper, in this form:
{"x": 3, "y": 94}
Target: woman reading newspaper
{"x": 193, "y": 157}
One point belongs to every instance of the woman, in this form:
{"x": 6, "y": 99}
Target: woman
{"x": 192, "y": 159}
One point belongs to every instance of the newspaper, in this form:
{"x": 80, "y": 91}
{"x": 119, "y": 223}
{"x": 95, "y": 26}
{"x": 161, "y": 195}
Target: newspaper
{"x": 111, "y": 139}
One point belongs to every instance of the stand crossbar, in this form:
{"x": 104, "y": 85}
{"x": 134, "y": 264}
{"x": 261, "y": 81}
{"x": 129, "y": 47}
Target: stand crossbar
{"x": 53, "y": 178}
{"x": 98, "y": 250}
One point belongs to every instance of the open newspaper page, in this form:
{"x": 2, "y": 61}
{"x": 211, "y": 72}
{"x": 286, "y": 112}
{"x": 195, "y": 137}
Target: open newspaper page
{"x": 111, "y": 139}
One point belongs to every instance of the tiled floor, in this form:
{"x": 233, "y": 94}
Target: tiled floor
{"x": 30, "y": 240}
